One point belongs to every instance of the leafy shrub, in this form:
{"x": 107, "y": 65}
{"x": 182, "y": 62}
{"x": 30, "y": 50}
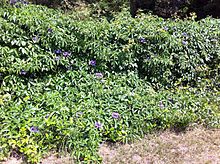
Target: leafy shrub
{"x": 69, "y": 85}
{"x": 161, "y": 51}
{"x": 61, "y": 112}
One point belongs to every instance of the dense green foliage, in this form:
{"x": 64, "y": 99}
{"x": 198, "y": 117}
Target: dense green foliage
{"x": 68, "y": 85}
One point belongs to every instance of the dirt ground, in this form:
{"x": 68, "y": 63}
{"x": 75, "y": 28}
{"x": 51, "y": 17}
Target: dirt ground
{"x": 197, "y": 146}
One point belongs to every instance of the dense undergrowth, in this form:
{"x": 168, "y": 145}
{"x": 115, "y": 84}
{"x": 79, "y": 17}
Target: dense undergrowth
{"x": 68, "y": 85}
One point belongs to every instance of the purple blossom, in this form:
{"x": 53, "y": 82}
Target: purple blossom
{"x": 33, "y": 75}
{"x": 34, "y": 129}
{"x": 25, "y": 3}
{"x": 214, "y": 40}
{"x": 142, "y": 40}
{"x": 184, "y": 34}
{"x": 12, "y": 2}
{"x": 99, "y": 75}
{"x": 148, "y": 57}
{"x": 161, "y": 105}
{"x": 23, "y": 72}
{"x": 57, "y": 58}
{"x": 166, "y": 28}
{"x": 98, "y": 125}
{"x": 184, "y": 42}
{"x": 35, "y": 38}
{"x": 66, "y": 54}
{"x": 92, "y": 62}
{"x": 115, "y": 115}
{"x": 58, "y": 51}
{"x": 78, "y": 114}
{"x": 49, "y": 30}
{"x": 47, "y": 116}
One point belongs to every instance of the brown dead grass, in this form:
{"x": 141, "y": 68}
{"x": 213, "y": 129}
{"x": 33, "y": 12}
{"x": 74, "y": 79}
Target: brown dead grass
{"x": 200, "y": 146}
{"x": 197, "y": 146}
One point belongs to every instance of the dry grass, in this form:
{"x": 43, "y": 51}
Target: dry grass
{"x": 197, "y": 146}
{"x": 192, "y": 146}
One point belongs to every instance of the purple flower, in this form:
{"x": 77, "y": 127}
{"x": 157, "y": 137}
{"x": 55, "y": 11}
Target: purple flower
{"x": 78, "y": 114}
{"x": 49, "y": 30}
{"x": 115, "y": 115}
{"x": 33, "y": 75}
{"x": 35, "y": 38}
{"x": 66, "y": 54}
{"x": 184, "y": 42}
{"x": 161, "y": 105}
{"x": 23, "y": 72}
{"x": 214, "y": 40}
{"x": 99, "y": 75}
{"x": 12, "y": 2}
{"x": 57, "y": 58}
{"x": 92, "y": 62}
{"x": 102, "y": 81}
{"x": 166, "y": 28}
{"x": 142, "y": 40}
{"x": 58, "y": 51}
{"x": 47, "y": 116}
{"x": 98, "y": 125}
{"x": 148, "y": 57}
{"x": 25, "y": 3}
{"x": 34, "y": 129}
{"x": 184, "y": 34}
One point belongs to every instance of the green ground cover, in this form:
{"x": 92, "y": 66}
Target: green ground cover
{"x": 67, "y": 85}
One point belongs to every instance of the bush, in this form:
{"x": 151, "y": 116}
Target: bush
{"x": 160, "y": 51}
{"x": 69, "y": 85}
